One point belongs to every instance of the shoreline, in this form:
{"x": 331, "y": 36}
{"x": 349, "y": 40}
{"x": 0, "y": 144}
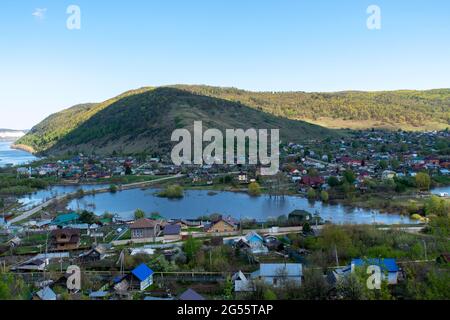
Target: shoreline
{"x": 23, "y": 147}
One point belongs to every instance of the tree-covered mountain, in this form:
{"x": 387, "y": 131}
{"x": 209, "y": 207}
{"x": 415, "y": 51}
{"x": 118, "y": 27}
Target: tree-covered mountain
{"x": 404, "y": 109}
{"x": 143, "y": 121}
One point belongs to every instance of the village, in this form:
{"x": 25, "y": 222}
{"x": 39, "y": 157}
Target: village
{"x": 151, "y": 257}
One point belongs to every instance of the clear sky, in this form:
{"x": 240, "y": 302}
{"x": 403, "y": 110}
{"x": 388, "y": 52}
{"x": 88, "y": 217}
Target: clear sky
{"x": 305, "y": 45}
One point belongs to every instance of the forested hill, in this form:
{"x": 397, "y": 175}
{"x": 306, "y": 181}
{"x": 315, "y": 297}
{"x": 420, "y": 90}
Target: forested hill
{"x": 405, "y": 109}
{"x": 143, "y": 121}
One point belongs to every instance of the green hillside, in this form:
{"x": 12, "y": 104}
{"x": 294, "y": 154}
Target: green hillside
{"x": 405, "y": 109}
{"x": 143, "y": 120}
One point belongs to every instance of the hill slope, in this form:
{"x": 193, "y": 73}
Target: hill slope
{"x": 405, "y": 109}
{"x": 143, "y": 121}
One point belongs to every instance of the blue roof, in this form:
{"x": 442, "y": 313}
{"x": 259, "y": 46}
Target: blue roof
{"x": 98, "y": 294}
{"x": 142, "y": 272}
{"x": 66, "y": 218}
{"x": 385, "y": 264}
{"x": 118, "y": 279}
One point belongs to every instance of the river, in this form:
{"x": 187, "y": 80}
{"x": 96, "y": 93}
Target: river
{"x": 9, "y": 156}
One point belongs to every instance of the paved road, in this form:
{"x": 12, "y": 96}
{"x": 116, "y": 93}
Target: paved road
{"x": 35, "y": 210}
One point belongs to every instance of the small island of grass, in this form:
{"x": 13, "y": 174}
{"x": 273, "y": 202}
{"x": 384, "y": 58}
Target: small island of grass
{"x": 172, "y": 192}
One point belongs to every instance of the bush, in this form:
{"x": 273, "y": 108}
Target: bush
{"x": 324, "y": 196}
{"x": 172, "y": 192}
{"x": 254, "y": 189}
{"x": 311, "y": 194}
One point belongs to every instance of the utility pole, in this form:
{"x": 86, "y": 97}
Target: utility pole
{"x": 425, "y": 249}
{"x": 337, "y": 257}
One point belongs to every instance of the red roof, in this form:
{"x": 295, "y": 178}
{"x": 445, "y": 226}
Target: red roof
{"x": 313, "y": 181}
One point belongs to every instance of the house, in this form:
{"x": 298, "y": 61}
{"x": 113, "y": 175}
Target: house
{"x": 313, "y": 182}
{"x": 241, "y": 283}
{"x": 66, "y": 219}
{"x": 300, "y": 216}
{"x": 242, "y": 177}
{"x": 272, "y": 243}
{"x": 388, "y": 174}
{"x": 220, "y": 226}
{"x": 94, "y": 254}
{"x": 33, "y": 265}
{"x": 121, "y": 284}
{"x": 388, "y": 266}
{"x": 277, "y": 274}
{"x": 14, "y": 242}
{"x": 143, "y": 276}
{"x": 335, "y": 276}
{"x": 191, "y": 295}
{"x": 145, "y": 228}
{"x": 65, "y": 239}
{"x": 254, "y": 242}
{"x": 172, "y": 232}
{"x": 45, "y": 294}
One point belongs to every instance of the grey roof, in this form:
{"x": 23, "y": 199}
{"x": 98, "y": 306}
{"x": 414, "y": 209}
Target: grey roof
{"x": 275, "y": 269}
{"x": 172, "y": 229}
{"x": 190, "y": 294}
{"x": 46, "y": 294}
{"x": 149, "y": 298}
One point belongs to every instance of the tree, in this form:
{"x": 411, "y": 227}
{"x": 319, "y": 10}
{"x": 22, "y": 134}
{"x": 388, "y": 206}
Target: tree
{"x": 190, "y": 247}
{"x": 254, "y": 189}
{"x": 13, "y": 288}
{"x": 314, "y": 287}
{"x": 437, "y": 206}
{"x": 113, "y": 188}
{"x": 423, "y": 181}
{"x": 228, "y": 289}
{"x": 383, "y": 164}
{"x": 349, "y": 176}
{"x": 88, "y": 217}
{"x": 324, "y": 196}
{"x": 139, "y": 214}
{"x": 311, "y": 194}
{"x": 349, "y": 288}
{"x": 269, "y": 294}
{"x": 333, "y": 181}
{"x": 306, "y": 227}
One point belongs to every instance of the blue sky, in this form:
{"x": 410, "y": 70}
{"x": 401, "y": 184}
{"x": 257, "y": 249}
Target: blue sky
{"x": 305, "y": 45}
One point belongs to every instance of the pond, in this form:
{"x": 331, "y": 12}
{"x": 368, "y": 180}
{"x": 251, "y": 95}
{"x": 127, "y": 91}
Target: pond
{"x": 238, "y": 205}
{"x": 440, "y": 190}
{"x": 38, "y": 197}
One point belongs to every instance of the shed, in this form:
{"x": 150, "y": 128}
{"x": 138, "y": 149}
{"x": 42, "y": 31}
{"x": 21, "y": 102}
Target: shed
{"x": 144, "y": 275}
